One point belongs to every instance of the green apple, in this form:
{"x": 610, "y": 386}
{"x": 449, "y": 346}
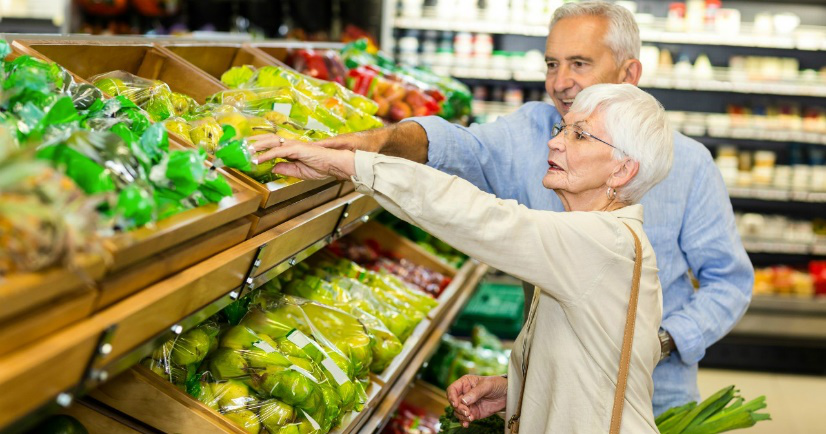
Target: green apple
{"x": 246, "y": 419}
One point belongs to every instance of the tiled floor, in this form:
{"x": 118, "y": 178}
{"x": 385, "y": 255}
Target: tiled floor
{"x": 797, "y": 403}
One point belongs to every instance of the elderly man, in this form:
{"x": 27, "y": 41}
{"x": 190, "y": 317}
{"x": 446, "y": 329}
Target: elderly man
{"x": 688, "y": 216}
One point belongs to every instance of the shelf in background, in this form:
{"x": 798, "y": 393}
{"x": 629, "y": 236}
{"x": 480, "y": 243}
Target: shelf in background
{"x": 777, "y": 195}
{"x": 809, "y": 38}
{"x": 782, "y": 247}
{"x": 788, "y": 304}
{"x": 721, "y": 81}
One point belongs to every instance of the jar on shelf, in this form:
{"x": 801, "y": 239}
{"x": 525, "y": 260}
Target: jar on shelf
{"x": 408, "y": 46}
{"x": 727, "y": 22}
{"x": 411, "y": 8}
{"x": 675, "y": 21}
{"x": 445, "y": 9}
{"x": 496, "y": 10}
{"x": 482, "y": 50}
{"x": 463, "y": 48}
{"x": 466, "y": 10}
{"x": 499, "y": 60}
{"x": 429, "y": 47}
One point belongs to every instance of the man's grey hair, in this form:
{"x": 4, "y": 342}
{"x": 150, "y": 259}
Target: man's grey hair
{"x": 623, "y": 35}
{"x": 637, "y": 125}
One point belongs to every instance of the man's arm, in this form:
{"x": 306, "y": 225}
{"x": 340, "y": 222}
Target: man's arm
{"x": 714, "y": 252}
{"x": 407, "y": 140}
{"x": 490, "y": 156}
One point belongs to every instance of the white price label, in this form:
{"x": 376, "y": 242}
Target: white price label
{"x": 264, "y": 346}
{"x": 314, "y": 124}
{"x": 298, "y": 338}
{"x": 338, "y": 374}
{"x": 283, "y": 108}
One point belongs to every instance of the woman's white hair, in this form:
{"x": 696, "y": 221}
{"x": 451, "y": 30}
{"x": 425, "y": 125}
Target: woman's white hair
{"x": 637, "y": 125}
{"x": 623, "y": 35}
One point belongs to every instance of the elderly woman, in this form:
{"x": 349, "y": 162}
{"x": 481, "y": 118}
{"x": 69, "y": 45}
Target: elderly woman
{"x": 584, "y": 360}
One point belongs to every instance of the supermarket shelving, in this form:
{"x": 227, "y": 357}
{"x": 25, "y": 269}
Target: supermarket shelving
{"x": 810, "y": 38}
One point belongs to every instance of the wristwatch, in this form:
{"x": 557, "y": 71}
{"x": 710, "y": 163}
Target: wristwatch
{"x": 666, "y": 344}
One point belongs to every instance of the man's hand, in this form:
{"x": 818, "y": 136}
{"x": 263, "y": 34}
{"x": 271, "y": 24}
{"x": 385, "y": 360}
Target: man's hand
{"x": 474, "y": 397}
{"x": 307, "y": 161}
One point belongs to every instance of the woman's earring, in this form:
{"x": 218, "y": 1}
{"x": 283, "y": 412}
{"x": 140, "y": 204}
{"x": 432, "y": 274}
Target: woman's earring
{"x": 611, "y": 193}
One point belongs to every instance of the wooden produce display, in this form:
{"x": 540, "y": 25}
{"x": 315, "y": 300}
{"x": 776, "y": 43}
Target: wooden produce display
{"x": 150, "y": 398}
{"x": 215, "y": 59}
{"x": 36, "y": 304}
{"x": 280, "y": 50}
{"x": 98, "y": 418}
{"x": 65, "y": 334}
{"x": 34, "y": 375}
{"x": 71, "y": 359}
{"x": 86, "y": 58}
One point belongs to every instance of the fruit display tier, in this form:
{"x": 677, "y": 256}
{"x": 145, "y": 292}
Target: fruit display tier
{"x": 69, "y": 334}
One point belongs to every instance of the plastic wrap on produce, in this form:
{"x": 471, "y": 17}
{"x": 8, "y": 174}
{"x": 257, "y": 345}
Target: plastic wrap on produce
{"x": 340, "y": 109}
{"x": 154, "y": 96}
{"x": 106, "y": 147}
{"x": 386, "y": 345}
{"x": 45, "y": 219}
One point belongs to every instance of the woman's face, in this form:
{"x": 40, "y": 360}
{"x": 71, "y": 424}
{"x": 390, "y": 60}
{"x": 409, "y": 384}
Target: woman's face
{"x": 579, "y": 163}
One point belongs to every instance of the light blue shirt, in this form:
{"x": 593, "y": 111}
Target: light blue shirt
{"x": 688, "y": 219}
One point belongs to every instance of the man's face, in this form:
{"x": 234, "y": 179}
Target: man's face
{"x": 577, "y": 57}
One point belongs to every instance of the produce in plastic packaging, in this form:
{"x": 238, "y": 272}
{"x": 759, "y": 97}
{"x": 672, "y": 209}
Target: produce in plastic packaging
{"x": 386, "y": 345}
{"x": 45, "y": 219}
{"x": 104, "y": 146}
{"x": 151, "y": 95}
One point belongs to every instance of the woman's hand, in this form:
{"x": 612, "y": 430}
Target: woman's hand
{"x": 474, "y": 397}
{"x": 307, "y": 161}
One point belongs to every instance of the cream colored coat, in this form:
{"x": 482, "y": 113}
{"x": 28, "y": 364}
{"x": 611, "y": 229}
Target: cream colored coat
{"x": 582, "y": 262}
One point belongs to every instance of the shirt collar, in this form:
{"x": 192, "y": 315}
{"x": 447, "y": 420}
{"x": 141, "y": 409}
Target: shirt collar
{"x": 630, "y": 212}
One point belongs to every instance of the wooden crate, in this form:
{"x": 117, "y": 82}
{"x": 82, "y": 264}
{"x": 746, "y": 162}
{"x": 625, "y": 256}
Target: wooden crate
{"x": 280, "y": 50}
{"x": 150, "y": 398}
{"x": 98, "y": 419}
{"x": 22, "y": 292}
{"x": 390, "y": 241}
{"x": 37, "y": 373}
{"x": 127, "y": 281}
{"x": 216, "y": 58}
{"x": 267, "y": 218}
{"x": 44, "y": 319}
{"x": 131, "y": 247}
{"x": 158, "y": 403}
{"x": 87, "y": 58}
{"x": 153, "y": 310}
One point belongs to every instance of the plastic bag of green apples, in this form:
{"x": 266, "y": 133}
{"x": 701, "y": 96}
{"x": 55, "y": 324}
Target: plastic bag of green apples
{"x": 288, "y": 366}
{"x": 336, "y": 107}
{"x": 106, "y": 147}
{"x": 300, "y": 282}
{"x": 248, "y": 113}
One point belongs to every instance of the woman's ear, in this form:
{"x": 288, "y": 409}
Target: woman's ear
{"x": 625, "y": 171}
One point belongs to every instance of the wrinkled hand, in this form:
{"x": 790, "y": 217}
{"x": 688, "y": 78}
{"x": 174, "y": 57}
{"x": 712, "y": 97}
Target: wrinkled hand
{"x": 307, "y": 160}
{"x": 474, "y": 397}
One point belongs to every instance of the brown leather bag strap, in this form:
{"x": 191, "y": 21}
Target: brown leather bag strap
{"x": 627, "y": 338}
{"x": 513, "y": 423}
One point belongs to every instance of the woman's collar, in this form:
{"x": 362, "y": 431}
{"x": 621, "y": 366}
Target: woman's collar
{"x": 630, "y": 212}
